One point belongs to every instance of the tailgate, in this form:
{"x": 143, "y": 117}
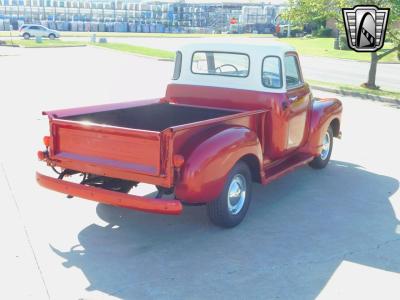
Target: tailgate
{"x": 103, "y": 150}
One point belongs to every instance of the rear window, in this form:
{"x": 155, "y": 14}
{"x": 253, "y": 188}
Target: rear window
{"x": 220, "y": 63}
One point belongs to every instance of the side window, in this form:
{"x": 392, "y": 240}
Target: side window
{"x": 292, "y": 70}
{"x": 34, "y": 27}
{"x": 272, "y": 72}
{"x": 178, "y": 65}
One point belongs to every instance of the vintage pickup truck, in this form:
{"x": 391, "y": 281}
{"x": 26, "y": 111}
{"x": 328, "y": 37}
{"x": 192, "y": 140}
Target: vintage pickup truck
{"x": 232, "y": 115}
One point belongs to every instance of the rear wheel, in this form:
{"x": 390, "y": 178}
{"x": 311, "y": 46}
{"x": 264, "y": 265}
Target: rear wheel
{"x": 322, "y": 160}
{"x": 231, "y": 206}
{"x": 26, "y": 36}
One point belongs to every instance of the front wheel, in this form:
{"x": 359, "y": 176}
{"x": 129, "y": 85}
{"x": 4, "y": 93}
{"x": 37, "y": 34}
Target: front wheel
{"x": 320, "y": 161}
{"x": 52, "y": 36}
{"x": 231, "y": 206}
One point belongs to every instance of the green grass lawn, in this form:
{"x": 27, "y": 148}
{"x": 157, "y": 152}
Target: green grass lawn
{"x": 324, "y": 47}
{"x": 45, "y": 43}
{"x": 157, "y": 53}
{"x": 355, "y": 89}
{"x": 310, "y": 47}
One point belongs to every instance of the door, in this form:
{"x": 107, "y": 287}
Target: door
{"x": 42, "y": 31}
{"x": 297, "y": 103}
{"x": 36, "y": 30}
{"x": 33, "y": 30}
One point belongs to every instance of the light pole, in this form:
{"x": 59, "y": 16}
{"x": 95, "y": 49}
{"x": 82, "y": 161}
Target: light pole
{"x": 11, "y": 37}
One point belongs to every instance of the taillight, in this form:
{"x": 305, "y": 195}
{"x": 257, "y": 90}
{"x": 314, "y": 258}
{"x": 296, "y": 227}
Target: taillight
{"x": 46, "y": 141}
{"x": 178, "y": 160}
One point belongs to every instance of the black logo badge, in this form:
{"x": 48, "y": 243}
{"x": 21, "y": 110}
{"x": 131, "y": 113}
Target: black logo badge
{"x": 365, "y": 27}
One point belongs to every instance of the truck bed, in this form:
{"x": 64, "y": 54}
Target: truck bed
{"x": 135, "y": 142}
{"x": 153, "y": 117}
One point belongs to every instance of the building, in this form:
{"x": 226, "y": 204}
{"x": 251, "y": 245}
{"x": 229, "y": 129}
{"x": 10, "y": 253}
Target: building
{"x": 130, "y": 16}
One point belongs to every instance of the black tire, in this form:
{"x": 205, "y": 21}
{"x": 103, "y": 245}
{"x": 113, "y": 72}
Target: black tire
{"x": 320, "y": 161}
{"x": 26, "y": 36}
{"x": 52, "y": 36}
{"x": 218, "y": 210}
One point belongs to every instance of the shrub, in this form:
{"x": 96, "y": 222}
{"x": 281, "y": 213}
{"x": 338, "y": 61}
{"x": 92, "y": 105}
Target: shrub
{"x": 343, "y": 43}
{"x": 322, "y": 32}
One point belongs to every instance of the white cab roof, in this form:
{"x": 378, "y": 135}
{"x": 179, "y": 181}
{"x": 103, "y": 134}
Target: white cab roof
{"x": 256, "y": 51}
{"x": 263, "y": 47}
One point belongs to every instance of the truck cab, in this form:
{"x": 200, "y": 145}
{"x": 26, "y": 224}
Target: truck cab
{"x": 248, "y": 77}
{"x": 233, "y": 115}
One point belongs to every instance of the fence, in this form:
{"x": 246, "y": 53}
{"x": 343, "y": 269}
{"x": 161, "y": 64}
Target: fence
{"x": 123, "y": 16}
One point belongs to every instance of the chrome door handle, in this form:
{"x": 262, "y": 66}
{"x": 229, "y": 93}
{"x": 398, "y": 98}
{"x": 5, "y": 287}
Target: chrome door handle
{"x": 290, "y": 100}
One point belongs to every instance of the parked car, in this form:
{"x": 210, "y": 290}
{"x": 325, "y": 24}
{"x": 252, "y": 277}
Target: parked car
{"x": 233, "y": 115}
{"x": 30, "y": 30}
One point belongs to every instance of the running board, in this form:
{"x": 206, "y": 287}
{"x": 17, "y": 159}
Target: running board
{"x": 290, "y": 164}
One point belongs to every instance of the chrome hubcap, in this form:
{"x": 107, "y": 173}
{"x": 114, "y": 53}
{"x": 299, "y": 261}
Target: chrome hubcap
{"x": 236, "y": 194}
{"x": 326, "y": 145}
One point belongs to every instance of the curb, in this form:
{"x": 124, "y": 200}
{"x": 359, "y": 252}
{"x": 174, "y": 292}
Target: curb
{"x": 46, "y": 47}
{"x": 354, "y": 60}
{"x": 356, "y": 94}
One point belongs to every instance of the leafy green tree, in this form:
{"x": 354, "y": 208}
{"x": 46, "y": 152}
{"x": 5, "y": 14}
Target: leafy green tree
{"x": 392, "y": 34}
{"x": 312, "y": 11}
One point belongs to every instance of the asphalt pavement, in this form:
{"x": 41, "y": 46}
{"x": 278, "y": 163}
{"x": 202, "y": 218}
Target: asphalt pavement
{"x": 332, "y": 233}
{"x": 316, "y": 68}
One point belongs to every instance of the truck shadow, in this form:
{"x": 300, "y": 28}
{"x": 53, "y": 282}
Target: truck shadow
{"x": 297, "y": 232}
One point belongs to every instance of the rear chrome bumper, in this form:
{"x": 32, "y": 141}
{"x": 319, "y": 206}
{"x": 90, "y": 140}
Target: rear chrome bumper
{"x": 159, "y": 206}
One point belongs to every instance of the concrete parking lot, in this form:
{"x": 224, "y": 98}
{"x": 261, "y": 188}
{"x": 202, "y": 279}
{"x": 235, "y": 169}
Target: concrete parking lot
{"x": 332, "y": 234}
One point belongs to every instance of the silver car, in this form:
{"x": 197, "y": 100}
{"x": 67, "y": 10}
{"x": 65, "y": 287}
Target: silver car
{"x": 27, "y": 31}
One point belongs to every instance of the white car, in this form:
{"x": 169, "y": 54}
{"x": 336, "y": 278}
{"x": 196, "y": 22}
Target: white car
{"x": 27, "y": 31}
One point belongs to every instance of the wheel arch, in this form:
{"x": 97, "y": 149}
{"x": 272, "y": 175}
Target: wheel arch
{"x": 325, "y": 112}
{"x": 204, "y": 172}
{"x": 335, "y": 124}
{"x": 254, "y": 166}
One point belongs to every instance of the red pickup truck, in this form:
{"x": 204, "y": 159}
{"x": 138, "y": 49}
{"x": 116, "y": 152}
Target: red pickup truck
{"x": 232, "y": 115}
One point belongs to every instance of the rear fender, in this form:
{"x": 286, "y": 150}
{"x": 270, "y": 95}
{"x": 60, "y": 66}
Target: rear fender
{"x": 324, "y": 112}
{"x": 207, "y": 164}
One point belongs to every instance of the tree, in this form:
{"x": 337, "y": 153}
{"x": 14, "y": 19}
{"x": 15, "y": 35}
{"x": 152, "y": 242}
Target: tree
{"x": 392, "y": 34}
{"x": 311, "y": 11}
